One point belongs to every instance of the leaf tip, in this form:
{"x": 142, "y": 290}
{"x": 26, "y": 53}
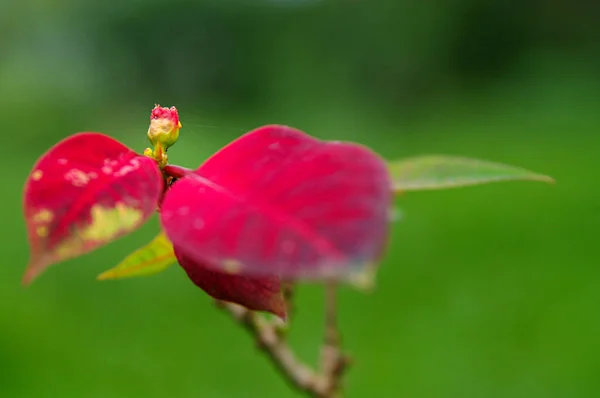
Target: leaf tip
{"x": 364, "y": 280}
{"x": 32, "y": 271}
{"x": 434, "y": 172}
{"x": 278, "y": 307}
{"x": 106, "y": 275}
{"x": 281, "y": 324}
{"x": 283, "y": 318}
{"x": 547, "y": 179}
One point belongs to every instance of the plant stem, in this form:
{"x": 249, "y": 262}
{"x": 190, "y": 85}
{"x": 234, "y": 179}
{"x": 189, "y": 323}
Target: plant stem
{"x": 333, "y": 360}
{"x": 324, "y": 383}
{"x": 300, "y": 375}
{"x": 176, "y": 171}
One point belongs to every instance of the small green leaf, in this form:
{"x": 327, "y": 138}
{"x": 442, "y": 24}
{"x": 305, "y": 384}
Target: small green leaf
{"x": 151, "y": 259}
{"x": 441, "y": 172}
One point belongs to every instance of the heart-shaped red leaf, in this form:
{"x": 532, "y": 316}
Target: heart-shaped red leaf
{"x": 277, "y": 201}
{"x": 86, "y": 191}
{"x": 257, "y": 294}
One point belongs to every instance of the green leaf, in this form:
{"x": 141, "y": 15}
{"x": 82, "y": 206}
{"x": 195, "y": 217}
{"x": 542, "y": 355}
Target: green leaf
{"x": 151, "y": 259}
{"x": 441, "y": 172}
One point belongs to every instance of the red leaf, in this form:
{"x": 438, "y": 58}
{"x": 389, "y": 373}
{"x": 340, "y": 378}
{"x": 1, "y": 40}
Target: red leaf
{"x": 257, "y": 294}
{"x": 86, "y": 191}
{"x": 279, "y": 202}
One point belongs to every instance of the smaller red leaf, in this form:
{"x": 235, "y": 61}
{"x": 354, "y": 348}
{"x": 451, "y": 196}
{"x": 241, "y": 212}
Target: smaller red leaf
{"x": 85, "y": 192}
{"x": 257, "y": 294}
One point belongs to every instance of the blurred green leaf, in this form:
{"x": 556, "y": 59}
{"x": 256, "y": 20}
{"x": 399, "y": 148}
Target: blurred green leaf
{"x": 440, "y": 172}
{"x": 155, "y": 257}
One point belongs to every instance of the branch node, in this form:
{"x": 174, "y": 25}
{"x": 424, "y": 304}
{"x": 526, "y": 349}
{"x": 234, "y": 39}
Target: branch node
{"x": 271, "y": 339}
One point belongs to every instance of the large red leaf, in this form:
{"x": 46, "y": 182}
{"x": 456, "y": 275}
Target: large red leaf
{"x": 86, "y": 191}
{"x": 279, "y": 202}
{"x": 257, "y": 294}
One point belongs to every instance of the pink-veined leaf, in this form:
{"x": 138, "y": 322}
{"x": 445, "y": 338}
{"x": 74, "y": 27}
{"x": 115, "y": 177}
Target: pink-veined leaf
{"x": 254, "y": 293}
{"x": 85, "y": 192}
{"x": 442, "y": 172}
{"x": 155, "y": 257}
{"x": 277, "y": 201}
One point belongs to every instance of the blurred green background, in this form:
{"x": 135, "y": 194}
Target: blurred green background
{"x": 490, "y": 291}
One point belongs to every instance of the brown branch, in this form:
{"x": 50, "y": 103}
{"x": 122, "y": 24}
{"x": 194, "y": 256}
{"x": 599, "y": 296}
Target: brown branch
{"x": 297, "y": 373}
{"x": 324, "y": 383}
{"x": 333, "y": 360}
{"x": 288, "y": 288}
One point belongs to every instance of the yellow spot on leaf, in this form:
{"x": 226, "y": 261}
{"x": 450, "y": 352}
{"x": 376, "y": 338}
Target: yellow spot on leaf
{"x": 108, "y": 222}
{"x": 37, "y": 175}
{"x": 231, "y": 266}
{"x": 77, "y": 177}
{"x": 364, "y": 280}
{"x": 44, "y": 216}
{"x": 133, "y": 165}
{"x": 69, "y": 248}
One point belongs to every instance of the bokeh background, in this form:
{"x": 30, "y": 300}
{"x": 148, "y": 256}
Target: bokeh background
{"x": 490, "y": 291}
